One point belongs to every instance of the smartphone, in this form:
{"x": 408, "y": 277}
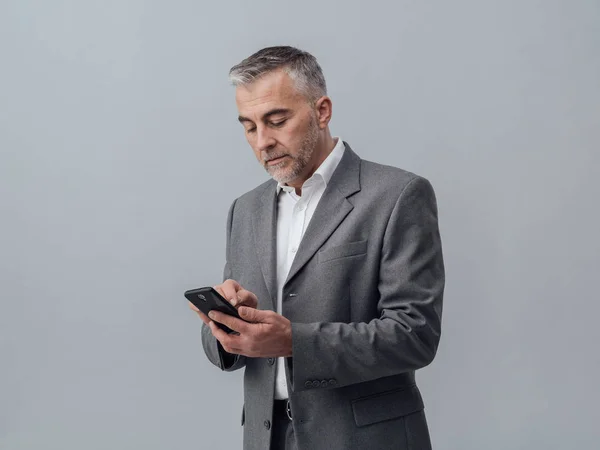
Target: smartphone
{"x": 207, "y": 299}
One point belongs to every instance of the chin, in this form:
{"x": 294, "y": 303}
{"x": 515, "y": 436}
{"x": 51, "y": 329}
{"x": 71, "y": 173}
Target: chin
{"x": 281, "y": 175}
{"x": 281, "y": 179}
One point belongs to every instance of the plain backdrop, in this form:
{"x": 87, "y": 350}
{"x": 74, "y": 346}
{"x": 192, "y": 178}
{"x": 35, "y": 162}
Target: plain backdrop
{"x": 121, "y": 153}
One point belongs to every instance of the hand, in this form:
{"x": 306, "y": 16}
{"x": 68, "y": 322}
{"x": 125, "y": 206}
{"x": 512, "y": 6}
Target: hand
{"x": 236, "y": 294}
{"x": 232, "y": 291}
{"x": 265, "y": 334}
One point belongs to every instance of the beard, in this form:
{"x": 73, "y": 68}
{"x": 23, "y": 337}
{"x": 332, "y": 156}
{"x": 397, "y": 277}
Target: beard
{"x": 287, "y": 171}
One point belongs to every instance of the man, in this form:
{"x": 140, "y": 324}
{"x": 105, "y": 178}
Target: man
{"x": 335, "y": 265}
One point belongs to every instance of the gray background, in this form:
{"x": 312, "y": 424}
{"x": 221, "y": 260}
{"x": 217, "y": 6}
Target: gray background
{"x": 121, "y": 153}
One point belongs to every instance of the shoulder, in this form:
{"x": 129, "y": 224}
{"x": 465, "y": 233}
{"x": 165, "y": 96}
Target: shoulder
{"x": 389, "y": 181}
{"x": 404, "y": 196}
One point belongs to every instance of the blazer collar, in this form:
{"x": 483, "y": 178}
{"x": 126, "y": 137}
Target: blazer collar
{"x": 332, "y": 209}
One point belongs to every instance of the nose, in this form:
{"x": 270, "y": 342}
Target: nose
{"x": 264, "y": 139}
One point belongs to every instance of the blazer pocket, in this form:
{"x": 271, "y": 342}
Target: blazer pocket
{"x": 343, "y": 251}
{"x": 386, "y": 405}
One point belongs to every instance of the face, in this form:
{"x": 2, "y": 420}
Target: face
{"x": 281, "y": 126}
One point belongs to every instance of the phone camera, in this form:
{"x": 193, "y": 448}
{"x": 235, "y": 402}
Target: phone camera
{"x": 202, "y": 297}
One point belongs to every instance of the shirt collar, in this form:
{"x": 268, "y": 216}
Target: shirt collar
{"x": 325, "y": 170}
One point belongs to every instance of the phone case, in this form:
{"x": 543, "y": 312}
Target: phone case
{"x": 207, "y": 299}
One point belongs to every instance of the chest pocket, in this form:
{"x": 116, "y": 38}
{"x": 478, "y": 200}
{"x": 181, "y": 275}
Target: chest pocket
{"x": 343, "y": 251}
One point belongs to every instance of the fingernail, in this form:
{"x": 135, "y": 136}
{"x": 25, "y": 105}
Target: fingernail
{"x": 211, "y": 314}
{"x": 242, "y": 310}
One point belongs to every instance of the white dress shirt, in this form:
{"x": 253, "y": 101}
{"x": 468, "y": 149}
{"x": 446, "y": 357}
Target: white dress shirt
{"x": 293, "y": 216}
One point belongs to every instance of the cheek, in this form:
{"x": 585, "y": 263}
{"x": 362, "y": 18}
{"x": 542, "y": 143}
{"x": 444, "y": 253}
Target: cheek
{"x": 292, "y": 139}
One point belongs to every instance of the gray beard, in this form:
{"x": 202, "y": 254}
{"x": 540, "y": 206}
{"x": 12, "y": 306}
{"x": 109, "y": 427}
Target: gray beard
{"x": 299, "y": 162}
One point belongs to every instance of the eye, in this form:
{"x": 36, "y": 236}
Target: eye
{"x": 251, "y": 130}
{"x": 278, "y": 124}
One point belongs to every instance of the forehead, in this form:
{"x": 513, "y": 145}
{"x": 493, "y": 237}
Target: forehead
{"x": 273, "y": 90}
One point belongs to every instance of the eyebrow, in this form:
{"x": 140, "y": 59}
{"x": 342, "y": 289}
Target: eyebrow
{"x": 268, "y": 114}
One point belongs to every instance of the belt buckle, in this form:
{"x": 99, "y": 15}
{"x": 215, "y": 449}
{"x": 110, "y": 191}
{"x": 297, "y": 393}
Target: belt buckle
{"x": 288, "y": 409}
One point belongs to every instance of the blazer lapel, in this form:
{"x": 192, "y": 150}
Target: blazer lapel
{"x": 264, "y": 223}
{"x": 331, "y": 210}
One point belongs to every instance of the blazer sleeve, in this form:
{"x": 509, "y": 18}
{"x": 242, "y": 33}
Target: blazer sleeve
{"x": 212, "y": 347}
{"x": 406, "y": 334}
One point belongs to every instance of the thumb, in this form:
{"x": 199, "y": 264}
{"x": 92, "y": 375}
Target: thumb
{"x": 251, "y": 314}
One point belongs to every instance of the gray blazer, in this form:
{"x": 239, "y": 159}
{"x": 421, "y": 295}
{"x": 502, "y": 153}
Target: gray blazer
{"x": 364, "y": 295}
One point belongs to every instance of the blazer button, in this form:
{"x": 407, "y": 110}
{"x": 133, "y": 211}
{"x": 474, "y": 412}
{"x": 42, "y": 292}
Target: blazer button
{"x": 267, "y": 424}
{"x": 316, "y": 383}
{"x": 271, "y": 361}
{"x": 308, "y": 384}
{"x": 332, "y": 382}
{"x": 324, "y": 383}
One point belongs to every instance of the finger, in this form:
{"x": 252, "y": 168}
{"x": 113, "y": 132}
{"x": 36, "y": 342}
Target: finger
{"x": 203, "y": 316}
{"x": 229, "y": 294}
{"x": 232, "y": 322}
{"x": 229, "y": 291}
{"x": 247, "y": 298}
{"x": 229, "y": 282}
{"x": 228, "y": 341}
{"x": 232, "y": 299}
{"x": 255, "y": 315}
{"x": 219, "y": 290}
{"x": 192, "y": 306}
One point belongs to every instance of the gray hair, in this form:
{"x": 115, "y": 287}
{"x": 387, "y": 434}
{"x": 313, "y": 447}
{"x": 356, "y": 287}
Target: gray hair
{"x": 301, "y": 66}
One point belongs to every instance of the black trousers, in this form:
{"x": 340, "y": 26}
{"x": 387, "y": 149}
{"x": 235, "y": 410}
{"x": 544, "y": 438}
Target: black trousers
{"x": 282, "y": 434}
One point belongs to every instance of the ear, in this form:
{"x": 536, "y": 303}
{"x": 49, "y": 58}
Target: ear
{"x": 323, "y": 108}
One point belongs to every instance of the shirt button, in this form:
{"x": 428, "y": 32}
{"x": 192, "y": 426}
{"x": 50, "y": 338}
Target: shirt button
{"x": 267, "y": 424}
{"x": 324, "y": 383}
{"x": 271, "y": 361}
{"x": 308, "y": 384}
{"x": 332, "y": 382}
{"x": 301, "y": 207}
{"x": 316, "y": 383}
{"x": 294, "y": 249}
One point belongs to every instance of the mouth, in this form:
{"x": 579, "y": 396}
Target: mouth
{"x": 272, "y": 162}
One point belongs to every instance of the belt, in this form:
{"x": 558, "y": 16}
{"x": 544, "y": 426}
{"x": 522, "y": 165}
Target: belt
{"x": 282, "y": 409}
